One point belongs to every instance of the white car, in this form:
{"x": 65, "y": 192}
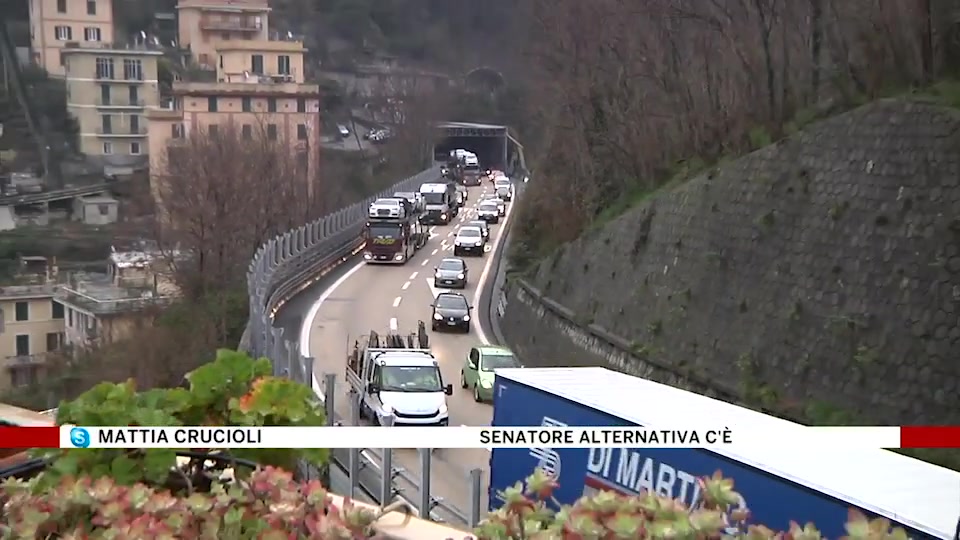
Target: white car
{"x": 501, "y": 206}
{"x": 469, "y": 240}
{"x": 503, "y": 188}
{"x": 344, "y": 131}
{"x": 489, "y": 211}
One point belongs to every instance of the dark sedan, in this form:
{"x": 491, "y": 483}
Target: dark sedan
{"x": 451, "y": 310}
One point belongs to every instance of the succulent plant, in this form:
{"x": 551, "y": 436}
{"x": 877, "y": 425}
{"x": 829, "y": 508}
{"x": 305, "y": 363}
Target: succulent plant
{"x": 525, "y": 514}
{"x": 269, "y": 505}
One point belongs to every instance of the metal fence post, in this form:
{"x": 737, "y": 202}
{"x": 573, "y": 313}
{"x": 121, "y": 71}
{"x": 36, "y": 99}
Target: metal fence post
{"x": 386, "y": 468}
{"x": 475, "y": 494}
{"x": 329, "y": 384}
{"x": 354, "y": 462}
{"x": 425, "y": 501}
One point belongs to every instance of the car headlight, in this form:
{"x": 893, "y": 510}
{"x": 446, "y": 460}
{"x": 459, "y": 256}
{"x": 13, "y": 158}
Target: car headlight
{"x": 437, "y": 275}
{"x": 466, "y": 318}
{"x": 437, "y": 316}
{"x": 485, "y": 383}
{"x": 398, "y": 257}
{"x": 443, "y": 409}
{"x": 443, "y": 216}
{"x": 367, "y": 255}
{"x": 387, "y": 409}
{"x": 459, "y": 276}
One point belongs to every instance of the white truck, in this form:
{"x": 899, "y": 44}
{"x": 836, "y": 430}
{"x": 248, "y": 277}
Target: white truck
{"x": 397, "y": 375}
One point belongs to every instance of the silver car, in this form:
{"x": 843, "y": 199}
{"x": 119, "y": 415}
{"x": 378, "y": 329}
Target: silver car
{"x": 501, "y": 206}
{"x": 482, "y": 225}
{"x": 451, "y": 273}
{"x": 489, "y": 212}
{"x": 504, "y": 189}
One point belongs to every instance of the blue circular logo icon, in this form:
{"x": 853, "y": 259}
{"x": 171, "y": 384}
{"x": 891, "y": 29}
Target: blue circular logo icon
{"x": 79, "y": 437}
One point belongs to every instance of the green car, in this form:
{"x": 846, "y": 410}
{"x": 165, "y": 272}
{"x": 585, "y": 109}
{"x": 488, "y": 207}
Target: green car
{"x": 477, "y": 371}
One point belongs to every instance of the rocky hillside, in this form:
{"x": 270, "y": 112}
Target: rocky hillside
{"x": 822, "y": 271}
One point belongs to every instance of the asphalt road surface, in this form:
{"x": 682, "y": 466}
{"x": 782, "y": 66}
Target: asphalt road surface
{"x": 396, "y": 297}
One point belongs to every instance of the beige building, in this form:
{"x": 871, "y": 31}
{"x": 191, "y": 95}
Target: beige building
{"x": 57, "y": 24}
{"x": 109, "y": 91}
{"x": 204, "y": 24}
{"x": 31, "y": 325}
{"x": 103, "y": 308}
{"x": 260, "y": 91}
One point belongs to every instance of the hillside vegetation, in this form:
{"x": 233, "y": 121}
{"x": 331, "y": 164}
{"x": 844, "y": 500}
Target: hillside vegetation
{"x": 632, "y": 94}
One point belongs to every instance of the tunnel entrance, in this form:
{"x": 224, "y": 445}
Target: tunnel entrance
{"x": 488, "y": 142}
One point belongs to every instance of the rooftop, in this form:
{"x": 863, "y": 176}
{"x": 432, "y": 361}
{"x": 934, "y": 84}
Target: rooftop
{"x": 263, "y": 86}
{"x": 13, "y": 292}
{"x": 142, "y": 49}
{"x": 276, "y": 42}
{"x": 236, "y": 6}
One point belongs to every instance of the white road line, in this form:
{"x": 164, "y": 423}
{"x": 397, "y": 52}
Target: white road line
{"x": 393, "y": 324}
{"x": 425, "y": 261}
{"x": 434, "y": 253}
{"x": 486, "y": 274}
{"x": 414, "y": 275}
{"x": 396, "y": 301}
{"x": 405, "y": 286}
{"x": 450, "y": 233}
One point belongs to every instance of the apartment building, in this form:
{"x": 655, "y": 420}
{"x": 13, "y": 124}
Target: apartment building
{"x": 31, "y": 326}
{"x": 204, "y": 24}
{"x": 109, "y": 90}
{"x": 57, "y": 24}
{"x": 260, "y": 90}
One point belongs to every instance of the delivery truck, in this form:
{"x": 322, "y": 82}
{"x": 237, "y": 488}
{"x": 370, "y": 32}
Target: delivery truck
{"x": 780, "y": 483}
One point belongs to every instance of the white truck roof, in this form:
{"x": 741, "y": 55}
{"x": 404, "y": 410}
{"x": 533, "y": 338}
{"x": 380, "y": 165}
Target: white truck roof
{"x": 404, "y": 357}
{"x": 433, "y": 188}
{"x": 918, "y": 494}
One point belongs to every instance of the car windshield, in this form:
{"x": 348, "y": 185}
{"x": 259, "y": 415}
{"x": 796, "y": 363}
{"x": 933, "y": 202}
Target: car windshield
{"x": 479, "y": 224}
{"x": 471, "y": 232}
{"x": 492, "y": 361}
{"x": 488, "y": 206}
{"x": 449, "y": 301}
{"x": 410, "y": 379}
{"x": 451, "y": 264}
{"x": 502, "y": 183}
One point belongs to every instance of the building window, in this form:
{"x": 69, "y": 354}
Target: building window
{"x": 23, "y": 375}
{"x": 63, "y": 33}
{"x": 301, "y": 132}
{"x": 132, "y": 69}
{"x": 247, "y": 131}
{"x": 106, "y": 124}
{"x": 283, "y": 64}
{"x": 22, "y": 311}
{"x": 104, "y": 209}
{"x": 63, "y": 60}
{"x": 61, "y": 6}
{"x": 54, "y": 341}
{"x": 91, "y": 33}
{"x": 176, "y": 131}
{"x": 214, "y": 130}
{"x": 271, "y": 104}
{"x": 134, "y": 94}
{"x": 301, "y": 105}
{"x": 107, "y": 148}
{"x": 23, "y": 345}
{"x": 56, "y": 308}
{"x": 256, "y": 63}
{"x": 134, "y": 124}
{"x": 134, "y": 151}
{"x": 105, "y": 94}
{"x": 212, "y": 104}
{"x": 272, "y": 132}
{"x": 246, "y": 104}
{"x": 104, "y": 68}
{"x": 91, "y": 7}
{"x": 70, "y": 318}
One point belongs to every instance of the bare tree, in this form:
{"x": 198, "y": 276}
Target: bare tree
{"x": 222, "y": 193}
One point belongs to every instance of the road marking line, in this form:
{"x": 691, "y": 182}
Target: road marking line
{"x": 425, "y": 261}
{"x": 393, "y": 324}
{"x": 434, "y": 253}
{"x": 486, "y": 271}
{"x": 414, "y": 275}
{"x": 406, "y": 285}
{"x": 450, "y": 233}
{"x": 396, "y": 301}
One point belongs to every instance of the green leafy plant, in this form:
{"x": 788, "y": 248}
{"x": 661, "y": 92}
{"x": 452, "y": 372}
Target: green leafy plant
{"x": 269, "y": 505}
{"x": 609, "y": 516}
{"x": 233, "y": 390}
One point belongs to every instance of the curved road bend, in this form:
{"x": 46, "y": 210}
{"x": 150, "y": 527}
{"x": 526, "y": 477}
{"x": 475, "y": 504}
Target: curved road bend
{"x": 382, "y": 297}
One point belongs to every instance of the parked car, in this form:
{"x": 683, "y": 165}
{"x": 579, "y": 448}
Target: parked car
{"x": 344, "y": 131}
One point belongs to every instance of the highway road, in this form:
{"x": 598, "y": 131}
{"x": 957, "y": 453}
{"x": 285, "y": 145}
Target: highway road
{"x": 388, "y": 297}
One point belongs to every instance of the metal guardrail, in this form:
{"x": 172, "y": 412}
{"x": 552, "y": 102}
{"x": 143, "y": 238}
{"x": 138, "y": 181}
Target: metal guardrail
{"x": 282, "y": 268}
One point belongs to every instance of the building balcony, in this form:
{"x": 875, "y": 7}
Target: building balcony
{"x": 119, "y": 132}
{"x": 258, "y": 78}
{"x": 120, "y": 104}
{"x": 25, "y": 360}
{"x": 230, "y": 24}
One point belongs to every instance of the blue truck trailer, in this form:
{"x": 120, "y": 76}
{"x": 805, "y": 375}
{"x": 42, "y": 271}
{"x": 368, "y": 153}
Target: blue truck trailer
{"x": 779, "y": 483}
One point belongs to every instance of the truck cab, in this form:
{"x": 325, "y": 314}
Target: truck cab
{"x": 393, "y": 231}
{"x": 440, "y": 203}
{"x": 471, "y": 175}
{"x": 397, "y": 376}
